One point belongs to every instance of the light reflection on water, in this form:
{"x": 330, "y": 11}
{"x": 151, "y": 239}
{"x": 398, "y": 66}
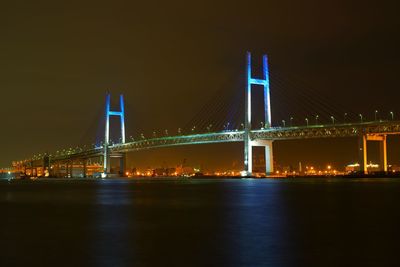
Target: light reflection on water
{"x": 256, "y": 221}
{"x": 111, "y": 224}
{"x": 249, "y": 222}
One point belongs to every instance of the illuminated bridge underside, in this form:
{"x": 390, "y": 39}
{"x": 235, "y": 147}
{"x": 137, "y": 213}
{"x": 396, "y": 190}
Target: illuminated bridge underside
{"x": 273, "y": 133}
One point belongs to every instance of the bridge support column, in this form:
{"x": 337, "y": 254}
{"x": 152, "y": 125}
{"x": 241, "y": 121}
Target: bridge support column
{"x": 363, "y": 158}
{"x": 84, "y": 168}
{"x": 383, "y": 154}
{"x": 67, "y": 169}
{"x": 122, "y": 165}
{"x": 59, "y": 170}
{"x": 269, "y": 159}
{"x": 106, "y": 161}
{"x": 362, "y": 153}
{"x": 269, "y": 155}
{"x": 31, "y": 167}
{"x": 72, "y": 169}
{"x": 248, "y": 157}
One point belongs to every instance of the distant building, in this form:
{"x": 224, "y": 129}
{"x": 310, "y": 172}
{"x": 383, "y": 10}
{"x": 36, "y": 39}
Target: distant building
{"x": 356, "y": 167}
{"x": 160, "y": 172}
{"x": 182, "y": 171}
{"x": 394, "y": 168}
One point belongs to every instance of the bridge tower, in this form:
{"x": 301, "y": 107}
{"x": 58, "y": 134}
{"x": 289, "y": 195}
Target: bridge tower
{"x": 248, "y": 143}
{"x": 108, "y": 114}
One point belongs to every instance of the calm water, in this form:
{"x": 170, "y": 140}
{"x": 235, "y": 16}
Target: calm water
{"x": 304, "y": 222}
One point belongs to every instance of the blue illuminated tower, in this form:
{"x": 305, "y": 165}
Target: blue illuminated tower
{"x": 108, "y": 114}
{"x": 248, "y": 143}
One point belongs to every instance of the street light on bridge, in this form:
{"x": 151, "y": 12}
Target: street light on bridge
{"x": 291, "y": 121}
{"x": 344, "y": 117}
{"x": 316, "y": 119}
{"x": 284, "y": 123}
{"x": 226, "y": 126}
{"x": 361, "y": 117}
{"x": 333, "y": 119}
{"x": 392, "y": 115}
{"x": 306, "y": 119}
{"x": 376, "y": 115}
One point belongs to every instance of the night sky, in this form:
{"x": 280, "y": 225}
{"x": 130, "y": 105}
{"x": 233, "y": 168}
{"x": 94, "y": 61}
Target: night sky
{"x": 58, "y": 59}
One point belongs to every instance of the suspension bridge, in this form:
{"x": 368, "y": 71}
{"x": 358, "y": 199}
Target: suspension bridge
{"x": 251, "y": 136}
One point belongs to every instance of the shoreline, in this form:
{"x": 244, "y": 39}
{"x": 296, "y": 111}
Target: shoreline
{"x": 169, "y": 178}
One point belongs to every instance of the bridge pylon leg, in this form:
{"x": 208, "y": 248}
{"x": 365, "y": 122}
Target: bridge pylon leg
{"x": 248, "y": 157}
{"x": 106, "y": 161}
{"x": 84, "y": 168}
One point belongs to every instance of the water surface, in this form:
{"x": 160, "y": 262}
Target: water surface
{"x": 290, "y": 222}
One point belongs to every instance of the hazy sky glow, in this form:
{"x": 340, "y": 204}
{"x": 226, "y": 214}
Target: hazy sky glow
{"x": 58, "y": 60}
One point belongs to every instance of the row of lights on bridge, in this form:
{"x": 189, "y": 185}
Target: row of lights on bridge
{"x": 227, "y": 125}
{"x": 333, "y": 119}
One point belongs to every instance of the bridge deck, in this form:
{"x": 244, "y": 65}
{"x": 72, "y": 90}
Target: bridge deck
{"x": 273, "y": 133}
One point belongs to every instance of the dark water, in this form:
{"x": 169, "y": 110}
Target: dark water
{"x": 312, "y": 222}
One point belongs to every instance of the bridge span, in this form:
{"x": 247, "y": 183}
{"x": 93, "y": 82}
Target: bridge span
{"x": 376, "y": 130}
{"x": 366, "y": 131}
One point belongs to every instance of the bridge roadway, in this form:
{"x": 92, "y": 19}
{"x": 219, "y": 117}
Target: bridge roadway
{"x": 273, "y": 134}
